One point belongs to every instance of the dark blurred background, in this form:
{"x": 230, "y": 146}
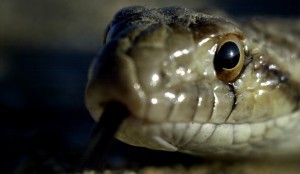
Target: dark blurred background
{"x": 45, "y": 51}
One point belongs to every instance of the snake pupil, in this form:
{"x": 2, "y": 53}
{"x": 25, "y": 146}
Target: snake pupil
{"x": 227, "y": 56}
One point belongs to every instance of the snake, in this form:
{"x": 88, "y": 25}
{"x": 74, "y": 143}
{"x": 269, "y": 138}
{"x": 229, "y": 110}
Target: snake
{"x": 200, "y": 83}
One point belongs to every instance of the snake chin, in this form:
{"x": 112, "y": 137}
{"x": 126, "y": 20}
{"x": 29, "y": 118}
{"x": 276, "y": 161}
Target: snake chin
{"x": 259, "y": 139}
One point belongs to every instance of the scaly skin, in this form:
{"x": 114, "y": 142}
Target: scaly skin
{"x": 160, "y": 64}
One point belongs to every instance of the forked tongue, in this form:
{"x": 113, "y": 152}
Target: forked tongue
{"x": 102, "y": 136}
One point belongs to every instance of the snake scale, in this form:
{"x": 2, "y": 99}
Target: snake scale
{"x": 199, "y": 83}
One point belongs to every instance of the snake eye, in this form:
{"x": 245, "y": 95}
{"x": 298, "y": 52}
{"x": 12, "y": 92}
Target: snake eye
{"x": 229, "y": 58}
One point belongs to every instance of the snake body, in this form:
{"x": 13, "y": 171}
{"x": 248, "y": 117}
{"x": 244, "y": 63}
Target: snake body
{"x": 164, "y": 65}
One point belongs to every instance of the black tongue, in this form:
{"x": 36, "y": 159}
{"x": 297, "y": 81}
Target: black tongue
{"x": 103, "y": 135}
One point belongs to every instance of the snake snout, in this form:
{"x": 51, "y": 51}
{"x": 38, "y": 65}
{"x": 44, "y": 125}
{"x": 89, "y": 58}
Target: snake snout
{"x": 112, "y": 78}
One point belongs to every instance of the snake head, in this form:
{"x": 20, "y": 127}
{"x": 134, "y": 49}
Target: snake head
{"x": 192, "y": 82}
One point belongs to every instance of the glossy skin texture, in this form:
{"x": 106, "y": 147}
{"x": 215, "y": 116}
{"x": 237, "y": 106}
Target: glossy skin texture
{"x": 160, "y": 64}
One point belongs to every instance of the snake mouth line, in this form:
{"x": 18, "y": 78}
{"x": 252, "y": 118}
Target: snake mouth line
{"x": 234, "y": 103}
